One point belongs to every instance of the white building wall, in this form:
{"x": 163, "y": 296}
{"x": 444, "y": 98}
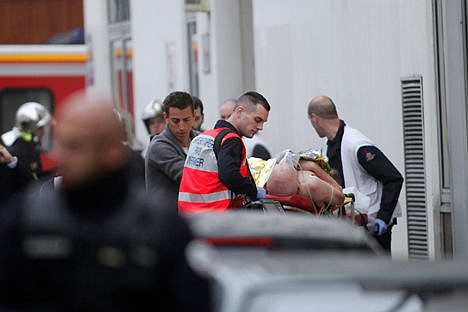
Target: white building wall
{"x": 224, "y": 81}
{"x": 207, "y": 76}
{"x": 97, "y": 42}
{"x": 160, "y": 59}
{"x": 355, "y": 52}
{"x": 157, "y": 24}
{"x": 417, "y": 58}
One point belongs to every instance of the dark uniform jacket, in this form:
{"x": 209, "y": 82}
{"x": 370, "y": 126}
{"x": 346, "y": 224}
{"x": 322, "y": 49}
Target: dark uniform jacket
{"x": 99, "y": 247}
{"x": 229, "y": 162}
{"x": 13, "y": 180}
{"x": 28, "y": 155}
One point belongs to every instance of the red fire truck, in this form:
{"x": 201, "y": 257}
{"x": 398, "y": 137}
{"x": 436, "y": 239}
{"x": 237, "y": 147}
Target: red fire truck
{"x": 41, "y": 73}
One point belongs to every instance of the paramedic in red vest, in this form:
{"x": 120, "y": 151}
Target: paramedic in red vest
{"x": 361, "y": 165}
{"x": 213, "y": 182}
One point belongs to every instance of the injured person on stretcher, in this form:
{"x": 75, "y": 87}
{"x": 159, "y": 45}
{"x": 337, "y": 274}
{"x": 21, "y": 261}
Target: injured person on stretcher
{"x": 304, "y": 177}
{"x": 310, "y": 181}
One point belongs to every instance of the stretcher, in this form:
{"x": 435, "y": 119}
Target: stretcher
{"x": 261, "y": 170}
{"x": 301, "y": 204}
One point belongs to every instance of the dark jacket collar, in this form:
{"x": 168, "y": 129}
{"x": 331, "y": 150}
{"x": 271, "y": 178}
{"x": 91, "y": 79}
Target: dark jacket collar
{"x": 339, "y": 135}
{"x": 225, "y": 124}
{"x": 100, "y": 195}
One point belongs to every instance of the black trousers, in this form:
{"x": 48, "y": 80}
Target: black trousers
{"x": 385, "y": 240}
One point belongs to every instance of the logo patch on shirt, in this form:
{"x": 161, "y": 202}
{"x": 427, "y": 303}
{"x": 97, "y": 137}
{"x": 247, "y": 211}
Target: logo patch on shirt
{"x": 369, "y": 156}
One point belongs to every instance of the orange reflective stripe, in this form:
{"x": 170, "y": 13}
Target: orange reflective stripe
{"x": 205, "y": 198}
{"x": 43, "y": 58}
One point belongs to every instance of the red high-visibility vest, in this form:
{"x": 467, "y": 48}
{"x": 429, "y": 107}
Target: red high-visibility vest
{"x": 200, "y": 188}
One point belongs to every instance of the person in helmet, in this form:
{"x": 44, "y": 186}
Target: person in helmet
{"x": 153, "y": 118}
{"x": 25, "y": 137}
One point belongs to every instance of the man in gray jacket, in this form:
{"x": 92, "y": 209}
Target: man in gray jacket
{"x": 165, "y": 158}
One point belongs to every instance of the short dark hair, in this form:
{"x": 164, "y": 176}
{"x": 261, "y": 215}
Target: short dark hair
{"x": 323, "y": 107}
{"x": 177, "y": 99}
{"x": 252, "y": 97}
{"x": 197, "y": 103}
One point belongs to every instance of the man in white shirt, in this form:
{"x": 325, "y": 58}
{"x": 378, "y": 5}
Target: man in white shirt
{"x": 361, "y": 165}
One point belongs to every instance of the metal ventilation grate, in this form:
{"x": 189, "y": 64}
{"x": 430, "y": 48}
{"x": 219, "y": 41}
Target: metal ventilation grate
{"x": 413, "y": 132}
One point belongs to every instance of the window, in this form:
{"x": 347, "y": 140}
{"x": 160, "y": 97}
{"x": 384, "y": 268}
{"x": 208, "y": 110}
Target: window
{"x": 119, "y": 11}
{"x": 197, "y": 5}
{"x": 122, "y": 73}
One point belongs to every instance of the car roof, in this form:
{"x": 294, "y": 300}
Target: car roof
{"x": 323, "y": 232}
{"x": 375, "y": 272}
{"x": 246, "y": 278}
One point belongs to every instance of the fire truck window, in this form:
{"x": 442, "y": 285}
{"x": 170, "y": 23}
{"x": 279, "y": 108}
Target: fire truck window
{"x": 119, "y": 11}
{"x": 12, "y": 98}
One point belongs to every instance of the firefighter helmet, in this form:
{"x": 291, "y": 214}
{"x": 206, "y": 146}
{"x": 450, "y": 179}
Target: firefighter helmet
{"x": 153, "y": 109}
{"x": 32, "y": 115}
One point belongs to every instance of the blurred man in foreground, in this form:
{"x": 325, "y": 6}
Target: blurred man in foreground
{"x": 95, "y": 244}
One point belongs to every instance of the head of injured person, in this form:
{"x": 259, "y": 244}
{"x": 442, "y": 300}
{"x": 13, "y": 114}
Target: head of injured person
{"x": 283, "y": 180}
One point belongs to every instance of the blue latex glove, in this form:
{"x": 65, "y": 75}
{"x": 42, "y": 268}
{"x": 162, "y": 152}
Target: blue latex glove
{"x": 380, "y": 226}
{"x": 261, "y": 192}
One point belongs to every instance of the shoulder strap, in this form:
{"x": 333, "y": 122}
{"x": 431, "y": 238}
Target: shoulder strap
{"x": 218, "y": 139}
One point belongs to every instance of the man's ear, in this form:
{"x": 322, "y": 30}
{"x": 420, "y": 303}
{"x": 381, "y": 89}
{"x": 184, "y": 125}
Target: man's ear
{"x": 314, "y": 117}
{"x": 240, "y": 109}
{"x": 166, "y": 117}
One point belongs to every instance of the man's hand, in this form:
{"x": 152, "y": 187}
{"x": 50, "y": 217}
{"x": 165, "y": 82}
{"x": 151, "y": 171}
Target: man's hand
{"x": 5, "y": 156}
{"x": 380, "y": 227}
{"x": 261, "y": 192}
